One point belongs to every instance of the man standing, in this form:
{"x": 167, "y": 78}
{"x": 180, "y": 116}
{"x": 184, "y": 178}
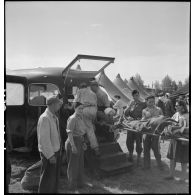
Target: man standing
{"x": 102, "y": 98}
{"x": 169, "y": 109}
{"x": 160, "y": 102}
{"x": 134, "y": 111}
{"x": 48, "y": 134}
{"x": 150, "y": 141}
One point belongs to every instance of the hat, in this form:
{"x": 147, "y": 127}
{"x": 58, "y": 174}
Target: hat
{"x": 150, "y": 97}
{"x": 109, "y": 110}
{"x": 160, "y": 94}
{"x": 53, "y": 99}
{"x": 94, "y": 82}
{"x": 117, "y": 96}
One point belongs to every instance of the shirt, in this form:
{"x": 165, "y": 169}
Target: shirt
{"x": 135, "y": 108}
{"x": 102, "y": 98}
{"x": 182, "y": 119}
{"x": 119, "y": 106}
{"x": 152, "y": 112}
{"x": 48, "y": 134}
{"x": 75, "y": 125}
{"x": 169, "y": 109}
{"x": 86, "y": 96}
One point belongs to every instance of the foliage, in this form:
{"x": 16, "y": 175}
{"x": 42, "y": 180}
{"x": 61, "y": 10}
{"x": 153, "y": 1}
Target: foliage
{"x": 139, "y": 80}
{"x": 167, "y": 84}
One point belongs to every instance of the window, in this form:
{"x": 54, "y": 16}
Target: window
{"x": 14, "y": 94}
{"x": 38, "y": 93}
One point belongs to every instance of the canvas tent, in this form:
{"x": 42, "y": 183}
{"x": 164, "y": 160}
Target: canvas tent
{"x": 122, "y": 86}
{"x": 132, "y": 84}
{"x": 182, "y": 91}
{"x": 112, "y": 90}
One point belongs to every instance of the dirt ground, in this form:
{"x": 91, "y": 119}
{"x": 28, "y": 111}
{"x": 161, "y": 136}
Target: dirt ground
{"x": 135, "y": 181}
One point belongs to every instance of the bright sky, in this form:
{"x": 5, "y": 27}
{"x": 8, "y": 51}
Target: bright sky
{"x": 149, "y": 38}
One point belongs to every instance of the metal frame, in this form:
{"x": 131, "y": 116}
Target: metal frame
{"x": 90, "y": 57}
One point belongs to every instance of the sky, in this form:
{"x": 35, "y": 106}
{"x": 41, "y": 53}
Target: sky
{"x": 148, "y": 38}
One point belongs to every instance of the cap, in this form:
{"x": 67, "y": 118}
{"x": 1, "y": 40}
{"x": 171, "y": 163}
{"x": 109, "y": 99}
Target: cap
{"x": 109, "y": 111}
{"x": 94, "y": 82}
{"x": 53, "y": 99}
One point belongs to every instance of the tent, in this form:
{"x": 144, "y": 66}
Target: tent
{"x": 182, "y": 91}
{"x": 122, "y": 86}
{"x": 112, "y": 90}
{"x": 133, "y": 85}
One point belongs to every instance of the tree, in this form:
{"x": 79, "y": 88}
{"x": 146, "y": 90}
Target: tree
{"x": 186, "y": 81}
{"x": 174, "y": 86}
{"x": 139, "y": 80}
{"x": 166, "y": 84}
{"x": 180, "y": 84}
{"x": 157, "y": 87}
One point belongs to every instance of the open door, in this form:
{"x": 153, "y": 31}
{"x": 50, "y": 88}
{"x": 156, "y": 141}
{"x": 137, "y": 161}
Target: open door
{"x": 83, "y": 68}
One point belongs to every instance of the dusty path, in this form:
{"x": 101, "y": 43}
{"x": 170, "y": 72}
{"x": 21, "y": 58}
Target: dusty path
{"x": 135, "y": 181}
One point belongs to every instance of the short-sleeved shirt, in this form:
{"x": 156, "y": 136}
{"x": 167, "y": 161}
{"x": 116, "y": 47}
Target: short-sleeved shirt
{"x": 152, "y": 112}
{"x": 75, "y": 125}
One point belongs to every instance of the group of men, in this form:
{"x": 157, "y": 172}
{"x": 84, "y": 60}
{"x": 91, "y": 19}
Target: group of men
{"x": 96, "y": 101}
{"x": 49, "y": 136}
{"x": 138, "y": 110}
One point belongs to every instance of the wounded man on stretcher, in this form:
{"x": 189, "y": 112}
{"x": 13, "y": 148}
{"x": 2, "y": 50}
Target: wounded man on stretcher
{"x": 160, "y": 125}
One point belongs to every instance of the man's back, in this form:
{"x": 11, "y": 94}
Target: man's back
{"x": 102, "y": 98}
{"x": 169, "y": 109}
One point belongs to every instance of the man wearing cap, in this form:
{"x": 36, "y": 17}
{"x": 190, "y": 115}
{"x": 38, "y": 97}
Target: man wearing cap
{"x": 160, "y": 102}
{"x": 102, "y": 98}
{"x": 48, "y": 134}
{"x": 150, "y": 141}
{"x": 89, "y": 100}
{"x": 169, "y": 108}
{"x": 134, "y": 112}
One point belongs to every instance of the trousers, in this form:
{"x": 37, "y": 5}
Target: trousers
{"x": 151, "y": 142}
{"x": 49, "y": 175}
{"x": 89, "y": 114}
{"x": 131, "y": 138}
{"x": 75, "y": 170}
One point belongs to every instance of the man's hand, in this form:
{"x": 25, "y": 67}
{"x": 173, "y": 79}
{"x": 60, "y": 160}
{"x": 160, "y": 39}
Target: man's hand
{"x": 74, "y": 149}
{"x": 52, "y": 160}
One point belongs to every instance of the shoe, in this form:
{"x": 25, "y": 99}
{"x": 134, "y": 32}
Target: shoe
{"x": 169, "y": 177}
{"x": 81, "y": 185}
{"x": 161, "y": 167}
{"x": 72, "y": 187}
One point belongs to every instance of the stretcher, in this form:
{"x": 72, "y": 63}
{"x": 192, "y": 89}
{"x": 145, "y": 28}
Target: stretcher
{"x": 128, "y": 128}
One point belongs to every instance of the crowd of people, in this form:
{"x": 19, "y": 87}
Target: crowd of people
{"x": 91, "y": 115}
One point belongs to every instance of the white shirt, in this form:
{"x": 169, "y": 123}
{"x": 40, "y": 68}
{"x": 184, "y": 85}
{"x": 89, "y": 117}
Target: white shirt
{"x": 86, "y": 96}
{"x": 48, "y": 134}
{"x": 119, "y": 106}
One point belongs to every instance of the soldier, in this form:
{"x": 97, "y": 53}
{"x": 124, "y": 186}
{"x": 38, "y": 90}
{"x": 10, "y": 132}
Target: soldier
{"x": 150, "y": 141}
{"x": 134, "y": 111}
